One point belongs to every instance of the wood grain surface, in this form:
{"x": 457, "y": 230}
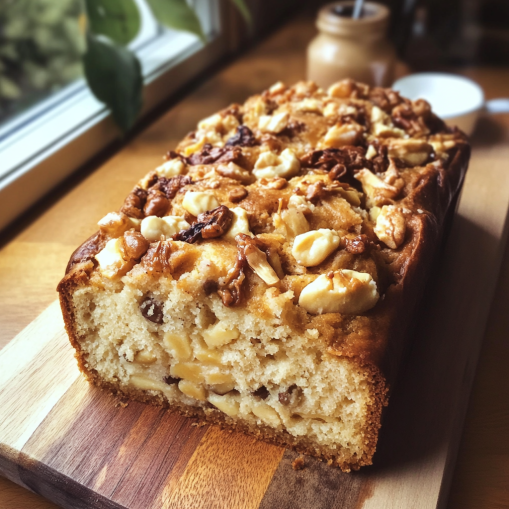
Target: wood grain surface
{"x": 35, "y": 250}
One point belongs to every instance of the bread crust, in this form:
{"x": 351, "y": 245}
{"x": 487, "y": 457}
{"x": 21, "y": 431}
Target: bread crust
{"x": 377, "y": 348}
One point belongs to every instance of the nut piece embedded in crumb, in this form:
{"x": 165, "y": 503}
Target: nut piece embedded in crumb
{"x": 298, "y": 463}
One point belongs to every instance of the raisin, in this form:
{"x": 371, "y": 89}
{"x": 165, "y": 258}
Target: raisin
{"x": 261, "y": 393}
{"x": 152, "y": 310}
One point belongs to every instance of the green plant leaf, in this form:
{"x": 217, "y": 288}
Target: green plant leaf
{"x": 117, "y": 19}
{"x": 113, "y": 74}
{"x": 177, "y": 14}
{"x": 244, "y": 11}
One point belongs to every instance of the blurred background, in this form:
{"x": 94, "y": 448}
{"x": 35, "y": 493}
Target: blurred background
{"x": 41, "y": 41}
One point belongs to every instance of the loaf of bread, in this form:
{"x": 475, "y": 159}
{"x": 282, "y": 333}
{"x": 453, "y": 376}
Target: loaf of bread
{"x": 264, "y": 277}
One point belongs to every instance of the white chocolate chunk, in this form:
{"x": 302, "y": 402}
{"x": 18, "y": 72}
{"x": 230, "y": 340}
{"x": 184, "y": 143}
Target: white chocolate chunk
{"x": 178, "y": 345}
{"x": 147, "y": 384}
{"x": 196, "y": 202}
{"x": 348, "y": 291}
{"x": 273, "y": 123}
{"x": 257, "y": 260}
{"x": 116, "y": 224}
{"x": 270, "y": 165}
{"x": 226, "y": 404}
{"x": 187, "y": 371}
{"x": 312, "y": 248}
{"x": 412, "y": 152}
{"x": 390, "y": 226}
{"x": 341, "y": 135}
{"x": 240, "y": 224}
{"x": 193, "y": 390}
{"x": 171, "y": 168}
{"x": 111, "y": 261}
{"x": 310, "y": 105}
{"x": 152, "y": 227}
{"x": 267, "y": 414}
{"x": 218, "y": 335}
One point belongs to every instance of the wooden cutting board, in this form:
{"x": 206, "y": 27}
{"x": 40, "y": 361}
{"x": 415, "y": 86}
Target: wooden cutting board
{"x": 78, "y": 447}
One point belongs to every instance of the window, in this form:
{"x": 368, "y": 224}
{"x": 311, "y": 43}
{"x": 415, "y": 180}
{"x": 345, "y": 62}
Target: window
{"x": 47, "y": 132}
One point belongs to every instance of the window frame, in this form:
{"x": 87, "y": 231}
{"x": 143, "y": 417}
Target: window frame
{"x": 39, "y": 152}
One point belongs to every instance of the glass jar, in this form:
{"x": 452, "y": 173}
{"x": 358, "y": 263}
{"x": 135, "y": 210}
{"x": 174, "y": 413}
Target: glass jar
{"x": 351, "y": 48}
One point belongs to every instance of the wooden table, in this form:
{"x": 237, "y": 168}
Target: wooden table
{"x": 35, "y": 250}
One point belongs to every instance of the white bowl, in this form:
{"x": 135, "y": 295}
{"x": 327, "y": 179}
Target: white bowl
{"x": 456, "y": 99}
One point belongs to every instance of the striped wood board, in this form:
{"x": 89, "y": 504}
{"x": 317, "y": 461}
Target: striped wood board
{"x": 70, "y": 443}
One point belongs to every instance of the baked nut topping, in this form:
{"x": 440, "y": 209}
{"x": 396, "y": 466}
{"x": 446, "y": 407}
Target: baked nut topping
{"x": 312, "y": 248}
{"x": 171, "y": 168}
{"x": 412, "y": 152}
{"x": 343, "y": 291}
{"x": 342, "y": 135}
{"x": 263, "y": 276}
{"x": 273, "y": 123}
{"x": 270, "y": 165}
{"x": 390, "y": 226}
{"x": 111, "y": 260}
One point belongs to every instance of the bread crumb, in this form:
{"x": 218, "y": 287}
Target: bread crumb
{"x": 298, "y": 463}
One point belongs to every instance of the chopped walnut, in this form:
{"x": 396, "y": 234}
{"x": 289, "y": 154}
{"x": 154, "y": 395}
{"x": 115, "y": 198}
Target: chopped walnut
{"x": 210, "y": 154}
{"x": 274, "y": 183}
{"x": 134, "y": 203}
{"x": 338, "y": 162}
{"x": 243, "y": 138}
{"x": 157, "y": 258}
{"x": 231, "y": 286}
{"x": 209, "y": 225}
{"x": 171, "y": 186}
{"x": 359, "y": 244}
{"x": 134, "y": 245}
{"x": 152, "y": 310}
{"x": 157, "y": 204}
{"x": 238, "y": 194}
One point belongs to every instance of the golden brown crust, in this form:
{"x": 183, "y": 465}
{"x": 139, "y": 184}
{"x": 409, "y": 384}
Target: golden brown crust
{"x": 374, "y": 340}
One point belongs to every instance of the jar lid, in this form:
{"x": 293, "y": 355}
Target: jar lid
{"x": 336, "y": 19}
